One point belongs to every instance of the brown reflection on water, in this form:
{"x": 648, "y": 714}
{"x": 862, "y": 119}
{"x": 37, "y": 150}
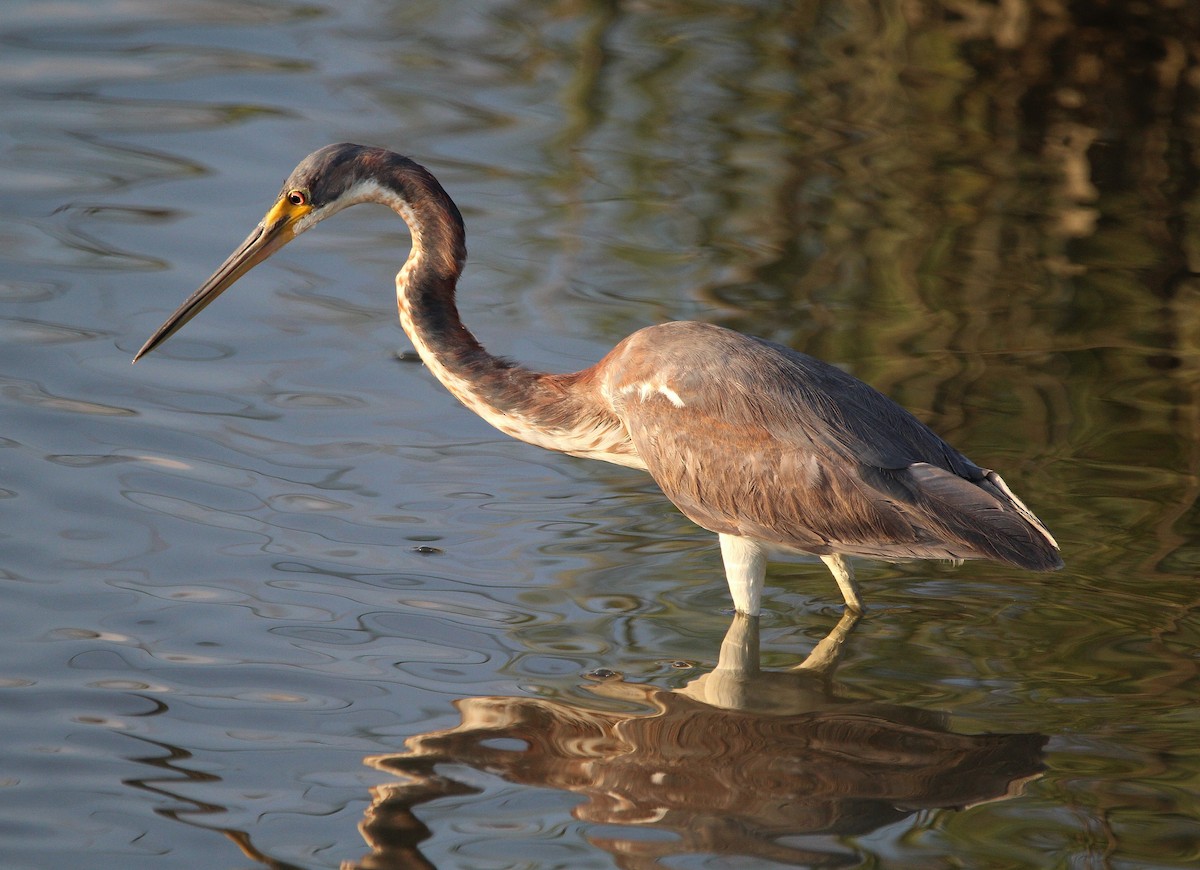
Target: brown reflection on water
{"x": 740, "y": 761}
{"x": 171, "y": 780}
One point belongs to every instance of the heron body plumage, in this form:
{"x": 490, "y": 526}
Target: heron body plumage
{"x": 768, "y": 447}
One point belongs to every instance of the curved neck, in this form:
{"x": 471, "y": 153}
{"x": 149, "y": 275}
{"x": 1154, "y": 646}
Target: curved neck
{"x": 560, "y": 412}
{"x": 425, "y": 296}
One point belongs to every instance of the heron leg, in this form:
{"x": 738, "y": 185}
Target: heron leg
{"x": 844, "y": 575}
{"x": 746, "y": 571}
{"x": 826, "y": 655}
{"x": 739, "y": 649}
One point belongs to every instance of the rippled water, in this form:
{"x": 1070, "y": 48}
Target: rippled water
{"x": 272, "y": 597}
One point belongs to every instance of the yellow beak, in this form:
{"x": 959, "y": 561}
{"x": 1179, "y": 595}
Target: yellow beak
{"x": 272, "y": 233}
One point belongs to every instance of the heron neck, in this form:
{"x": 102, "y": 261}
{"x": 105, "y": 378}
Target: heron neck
{"x": 425, "y": 287}
{"x": 559, "y": 412}
{"x": 486, "y": 383}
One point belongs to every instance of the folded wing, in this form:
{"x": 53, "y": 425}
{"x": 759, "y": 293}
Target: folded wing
{"x": 754, "y": 439}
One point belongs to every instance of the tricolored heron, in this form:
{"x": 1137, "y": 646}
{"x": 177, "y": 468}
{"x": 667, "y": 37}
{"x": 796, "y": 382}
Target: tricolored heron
{"x": 770, "y": 448}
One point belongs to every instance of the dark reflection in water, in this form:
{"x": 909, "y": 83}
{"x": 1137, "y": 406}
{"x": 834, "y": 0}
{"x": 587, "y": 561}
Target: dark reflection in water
{"x": 740, "y": 761}
{"x": 172, "y": 775}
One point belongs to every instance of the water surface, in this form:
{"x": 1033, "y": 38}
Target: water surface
{"x": 272, "y": 597}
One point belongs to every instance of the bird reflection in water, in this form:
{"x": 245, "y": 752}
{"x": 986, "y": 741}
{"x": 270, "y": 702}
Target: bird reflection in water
{"x": 740, "y": 761}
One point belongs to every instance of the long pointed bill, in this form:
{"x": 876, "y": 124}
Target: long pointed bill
{"x": 273, "y": 232}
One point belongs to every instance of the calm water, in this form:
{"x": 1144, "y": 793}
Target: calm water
{"x": 273, "y": 598}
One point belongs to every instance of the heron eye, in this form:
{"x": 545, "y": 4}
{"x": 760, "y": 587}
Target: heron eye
{"x": 297, "y": 197}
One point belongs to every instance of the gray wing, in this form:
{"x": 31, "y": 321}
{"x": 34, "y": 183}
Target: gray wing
{"x": 752, "y": 438}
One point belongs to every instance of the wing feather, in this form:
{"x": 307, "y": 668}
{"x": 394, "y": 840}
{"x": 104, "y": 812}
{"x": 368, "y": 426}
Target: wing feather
{"x": 752, "y": 438}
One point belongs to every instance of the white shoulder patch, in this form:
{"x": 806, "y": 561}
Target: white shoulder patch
{"x": 646, "y": 389}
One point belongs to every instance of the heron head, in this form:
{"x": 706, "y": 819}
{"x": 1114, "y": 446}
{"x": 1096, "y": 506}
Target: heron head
{"x": 324, "y": 183}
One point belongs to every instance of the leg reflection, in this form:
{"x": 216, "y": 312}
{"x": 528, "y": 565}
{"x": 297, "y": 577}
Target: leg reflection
{"x": 740, "y": 761}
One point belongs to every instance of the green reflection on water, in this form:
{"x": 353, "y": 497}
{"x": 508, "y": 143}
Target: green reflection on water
{"x": 991, "y": 217}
